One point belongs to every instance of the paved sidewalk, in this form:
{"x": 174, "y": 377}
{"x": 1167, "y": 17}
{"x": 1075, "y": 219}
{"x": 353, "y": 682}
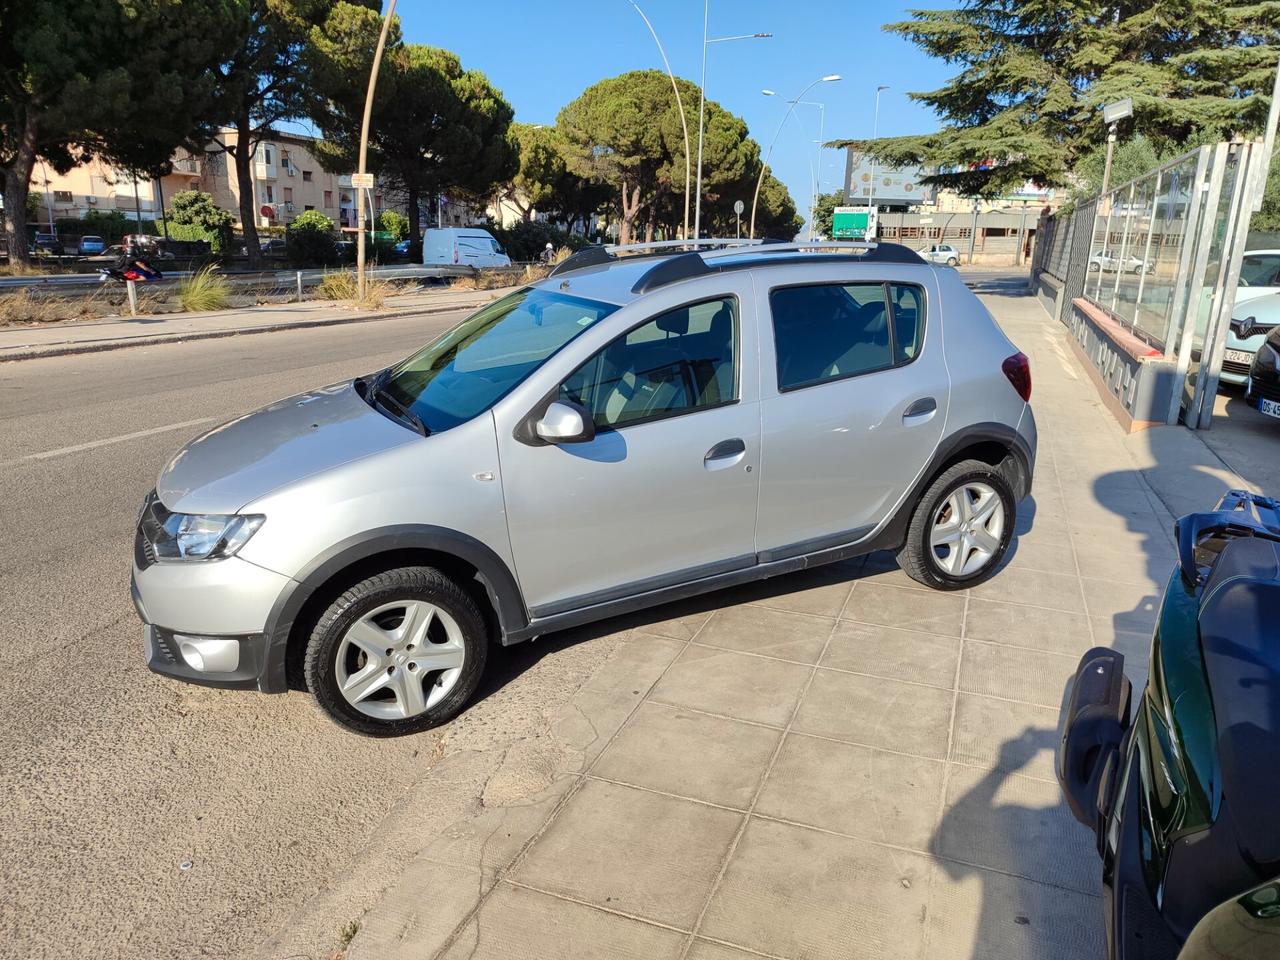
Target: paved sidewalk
{"x": 86, "y": 336}
{"x": 834, "y": 764}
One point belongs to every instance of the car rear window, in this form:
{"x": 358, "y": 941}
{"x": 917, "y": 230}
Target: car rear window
{"x": 825, "y": 332}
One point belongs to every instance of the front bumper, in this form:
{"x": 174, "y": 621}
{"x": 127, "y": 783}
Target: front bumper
{"x": 1097, "y": 718}
{"x": 211, "y": 623}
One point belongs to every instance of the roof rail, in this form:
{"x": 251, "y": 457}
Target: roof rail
{"x": 586, "y": 257}
{"x": 676, "y": 245}
{"x": 670, "y": 270}
{"x": 871, "y": 252}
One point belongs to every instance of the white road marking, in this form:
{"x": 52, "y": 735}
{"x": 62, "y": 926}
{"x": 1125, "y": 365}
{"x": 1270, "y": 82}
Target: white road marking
{"x": 107, "y": 441}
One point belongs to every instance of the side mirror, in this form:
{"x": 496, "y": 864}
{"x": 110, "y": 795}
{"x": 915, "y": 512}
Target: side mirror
{"x": 565, "y": 422}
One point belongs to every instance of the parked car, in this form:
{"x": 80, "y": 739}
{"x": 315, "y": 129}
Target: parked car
{"x": 1108, "y": 261}
{"x": 623, "y": 433}
{"x": 1259, "y": 275}
{"x": 273, "y": 247}
{"x": 346, "y": 250}
{"x": 47, "y": 244}
{"x": 1182, "y": 797}
{"x": 942, "y": 253}
{"x": 112, "y": 254}
{"x": 465, "y": 246}
{"x": 1263, "y": 387}
{"x": 402, "y": 248}
{"x": 1253, "y": 320}
{"x": 91, "y": 245}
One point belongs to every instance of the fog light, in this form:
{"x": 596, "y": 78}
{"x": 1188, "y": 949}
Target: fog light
{"x": 209, "y": 654}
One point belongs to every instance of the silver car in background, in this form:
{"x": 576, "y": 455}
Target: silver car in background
{"x": 629, "y": 431}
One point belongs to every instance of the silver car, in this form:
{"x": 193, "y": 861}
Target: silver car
{"x": 630, "y": 431}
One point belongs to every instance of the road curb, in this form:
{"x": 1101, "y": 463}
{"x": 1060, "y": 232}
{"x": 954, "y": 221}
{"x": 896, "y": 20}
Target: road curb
{"x": 101, "y": 346}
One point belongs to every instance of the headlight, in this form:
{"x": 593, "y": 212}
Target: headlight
{"x": 195, "y": 536}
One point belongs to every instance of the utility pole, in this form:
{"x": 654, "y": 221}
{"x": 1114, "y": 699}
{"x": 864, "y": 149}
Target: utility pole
{"x": 1111, "y": 147}
{"x": 364, "y": 146}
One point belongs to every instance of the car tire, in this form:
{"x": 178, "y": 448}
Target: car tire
{"x": 363, "y": 665}
{"x": 952, "y": 261}
{"x": 1094, "y": 267}
{"x": 961, "y": 528}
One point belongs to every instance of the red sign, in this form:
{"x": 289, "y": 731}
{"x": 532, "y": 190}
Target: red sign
{"x": 267, "y": 211}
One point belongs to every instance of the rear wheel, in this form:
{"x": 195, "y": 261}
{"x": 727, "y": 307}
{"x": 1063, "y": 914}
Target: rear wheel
{"x": 397, "y": 653}
{"x": 961, "y": 528}
{"x": 952, "y": 261}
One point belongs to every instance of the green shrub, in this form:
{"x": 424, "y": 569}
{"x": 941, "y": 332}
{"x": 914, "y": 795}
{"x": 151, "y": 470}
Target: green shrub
{"x": 194, "y": 216}
{"x": 527, "y": 241}
{"x": 309, "y": 240}
{"x": 110, "y": 225}
{"x": 394, "y": 223}
{"x": 206, "y": 289}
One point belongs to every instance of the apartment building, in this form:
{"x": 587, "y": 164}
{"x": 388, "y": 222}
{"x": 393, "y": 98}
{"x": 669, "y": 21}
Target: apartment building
{"x": 286, "y": 181}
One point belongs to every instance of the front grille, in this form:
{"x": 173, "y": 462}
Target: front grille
{"x": 1248, "y": 327}
{"x": 1269, "y": 390}
{"x": 166, "y": 649}
{"x": 143, "y": 553}
{"x": 1232, "y": 366}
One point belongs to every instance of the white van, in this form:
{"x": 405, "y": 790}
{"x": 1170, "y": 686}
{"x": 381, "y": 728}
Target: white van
{"x": 466, "y": 246}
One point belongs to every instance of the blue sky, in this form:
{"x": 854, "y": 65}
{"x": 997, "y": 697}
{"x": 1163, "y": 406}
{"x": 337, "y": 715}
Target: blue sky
{"x": 543, "y": 54}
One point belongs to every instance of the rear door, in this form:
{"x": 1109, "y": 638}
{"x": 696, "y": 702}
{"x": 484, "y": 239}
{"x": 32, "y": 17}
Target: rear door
{"x": 854, "y": 397}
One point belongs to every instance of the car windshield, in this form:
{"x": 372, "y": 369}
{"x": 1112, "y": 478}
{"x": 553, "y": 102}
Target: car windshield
{"x": 477, "y": 363}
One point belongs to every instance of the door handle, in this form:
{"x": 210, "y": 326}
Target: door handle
{"x": 919, "y": 411}
{"x": 725, "y": 449}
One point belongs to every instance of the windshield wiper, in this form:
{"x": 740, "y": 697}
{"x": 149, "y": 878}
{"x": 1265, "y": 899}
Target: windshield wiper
{"x": 380, "y": 394}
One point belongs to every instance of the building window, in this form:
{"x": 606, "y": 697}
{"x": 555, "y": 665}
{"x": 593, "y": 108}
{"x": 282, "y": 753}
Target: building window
{"x": 306, "y": 176}
{"x": 268, "y": 193}
{"x": 266, "y": 156}
{"x": 62, "y": 196}
{"x": 309, "y": 206}
{"x": 288, "y": 194}
{"x": 328, "y": 198}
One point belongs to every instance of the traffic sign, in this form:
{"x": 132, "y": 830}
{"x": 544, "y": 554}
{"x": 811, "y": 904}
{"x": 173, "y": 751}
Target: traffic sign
{"x": 738, "y": 207}
{"x": 362, "y": 180}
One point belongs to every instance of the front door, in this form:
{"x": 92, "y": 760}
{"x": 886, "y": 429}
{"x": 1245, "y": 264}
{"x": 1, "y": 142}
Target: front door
{"x": 666, "y": 492}
{"x": 855, "y": 409}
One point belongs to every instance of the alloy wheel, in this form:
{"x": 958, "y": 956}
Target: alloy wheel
{"x": 967, "y": 530}
{"x": 400, "y": 659}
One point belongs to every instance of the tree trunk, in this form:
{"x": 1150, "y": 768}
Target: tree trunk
{"x": 243, "y": 156}
{"x": 648, "y": 232}
{"x": 17, "y": 181}
{"x": 415, "y": 213}
{"x": 630, "y": 209}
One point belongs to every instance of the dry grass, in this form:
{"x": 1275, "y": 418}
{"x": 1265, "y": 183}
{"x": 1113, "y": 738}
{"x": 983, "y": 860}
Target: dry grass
{"x": 206, "y": 289}
{"x": 342, "y": 285}
{"x": 25, "y": 307}
{"x": 493, "y": 279}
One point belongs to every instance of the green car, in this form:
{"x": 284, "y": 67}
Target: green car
{"x": 1184, "y": 796}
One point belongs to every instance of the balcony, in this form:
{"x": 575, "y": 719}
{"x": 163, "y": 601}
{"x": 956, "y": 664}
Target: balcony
{"x": 187, "y": 165}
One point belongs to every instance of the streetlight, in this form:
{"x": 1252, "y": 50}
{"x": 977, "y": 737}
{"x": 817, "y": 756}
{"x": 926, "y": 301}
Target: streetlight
{"x": 679, "y": 106}
{"x": 815, "y": 178}
{"x": 875, "y": 135}
{"x": 1112, "y": 114}
{"x": 364, "y": 147}
{"x": 702, "y": 104}
{"x": 764, "y": 163}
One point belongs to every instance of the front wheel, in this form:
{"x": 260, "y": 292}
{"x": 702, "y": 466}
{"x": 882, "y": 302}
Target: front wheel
{"x": 397, "y": 653}
{"x": 952, "y": 261}
{"x": 960, "y": 529}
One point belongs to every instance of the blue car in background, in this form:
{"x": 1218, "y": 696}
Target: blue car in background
{"x": 90, "y": 246}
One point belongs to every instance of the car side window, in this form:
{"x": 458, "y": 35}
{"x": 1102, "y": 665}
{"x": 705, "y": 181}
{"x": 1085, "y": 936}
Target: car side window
{"x": 827, "y": 332}
{"x": 679, "y": 362}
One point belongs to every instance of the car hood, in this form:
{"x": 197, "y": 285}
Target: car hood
{"x": 244, "y": 459}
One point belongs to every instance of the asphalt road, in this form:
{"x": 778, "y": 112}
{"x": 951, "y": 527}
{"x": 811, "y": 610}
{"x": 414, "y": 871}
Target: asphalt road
{"x": 144, "y": 817}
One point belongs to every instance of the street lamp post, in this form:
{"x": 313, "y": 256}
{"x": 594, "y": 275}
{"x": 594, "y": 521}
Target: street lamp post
{"x": 684, "y": 126}
{"x": 764, "y": 163}
{"x": 702, "y": 104}
{"x": 815, "y": 178}
{"x": 364, "y": 145}
{"x": 1112, "y": 114}
{"x": 875, "y": 135}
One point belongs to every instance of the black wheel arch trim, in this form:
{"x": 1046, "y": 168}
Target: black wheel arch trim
{"x": 497, "y": 579}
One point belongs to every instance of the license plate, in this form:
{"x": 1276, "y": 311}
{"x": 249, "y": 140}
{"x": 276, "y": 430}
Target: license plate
{"x": 1239, "y": 356}
{"x": 1270, "y": 407}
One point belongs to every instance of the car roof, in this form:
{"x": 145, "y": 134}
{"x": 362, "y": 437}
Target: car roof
{"x": 615, "y": 280}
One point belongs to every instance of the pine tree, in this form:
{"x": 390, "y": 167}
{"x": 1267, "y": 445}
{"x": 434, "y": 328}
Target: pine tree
{"x": 1033, "y": 76}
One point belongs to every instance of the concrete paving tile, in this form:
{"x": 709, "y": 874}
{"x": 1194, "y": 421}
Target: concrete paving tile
{"x": 1053, "y": 631}
{"x": 1150, "y": 570}
{"x": 517, "y": 922}
{"x": 629, "y": 850}
{"x": 1131, "y": 607}
{"x": 771, "y": 633}
{"x": 874, "y": 712}
{"x": 635, "y": 666}
{"x": 690, "y": 754}
{"x": 1012, "y": 736}
{"x": 399, "y": 927}
{"x": 882, "y": 568}
{"x": 893, "y": 654}
{"x": 1090, "y": 539}
{"x": 1058, "y": 591}
{"x": 977, "y": 914}
{"x": 821, "y": 591}
{"x": 854, "y": 790}
{"x": 889, "y": 606}
{"x": 677, "y": 628}
{"x": 1016, "y": 673}
{"x": 707, "y": 950}
{"x": 733, "y": 684}
{"x": 1028, "y": 553}
{"x": 793, "y": 892}
{"x": 1016, "y": 825}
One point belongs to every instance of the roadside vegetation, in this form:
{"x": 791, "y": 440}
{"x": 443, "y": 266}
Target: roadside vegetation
{"x": 342, "y": 285}
{"x": 206, "y": 289}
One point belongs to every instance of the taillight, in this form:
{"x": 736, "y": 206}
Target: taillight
{"x": 1018, "y": 369}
